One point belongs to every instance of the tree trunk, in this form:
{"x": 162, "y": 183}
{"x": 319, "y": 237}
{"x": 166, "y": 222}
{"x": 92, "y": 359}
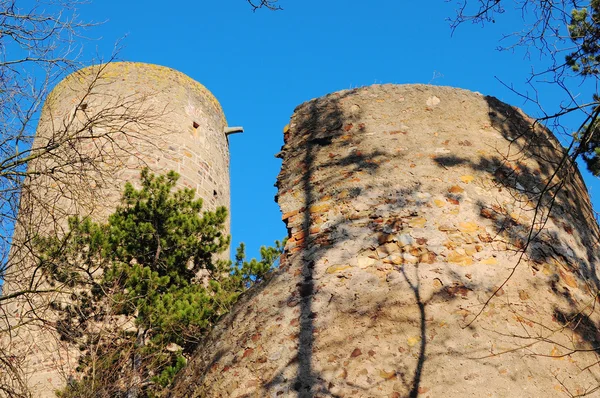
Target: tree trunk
{"x": 136, "y": 379}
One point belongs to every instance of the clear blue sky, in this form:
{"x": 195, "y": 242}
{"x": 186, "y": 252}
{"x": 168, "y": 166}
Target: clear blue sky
{"x": 262, "y": 65}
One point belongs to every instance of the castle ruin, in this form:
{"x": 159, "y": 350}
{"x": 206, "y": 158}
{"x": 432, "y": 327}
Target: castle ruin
{"x": 440, "y": 244}
{"x": 99, "y": 127}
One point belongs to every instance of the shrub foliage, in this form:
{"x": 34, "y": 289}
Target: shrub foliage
{"x": 144, "y": 288}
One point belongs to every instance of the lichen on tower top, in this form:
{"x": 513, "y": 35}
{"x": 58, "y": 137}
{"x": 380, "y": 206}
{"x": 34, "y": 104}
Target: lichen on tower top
{"x": 145, "y": 76}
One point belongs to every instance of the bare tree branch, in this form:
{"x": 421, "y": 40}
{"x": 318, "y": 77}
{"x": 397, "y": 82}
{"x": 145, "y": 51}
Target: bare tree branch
{"x": 268, "y": 4}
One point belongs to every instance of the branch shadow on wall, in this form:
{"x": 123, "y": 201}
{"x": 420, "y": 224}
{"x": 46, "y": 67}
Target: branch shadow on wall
{"x": 326, "y": 132}
{"x": 547, "y": 188}
{"x": 323, "y": 131}
{"x": 530, "y": 171}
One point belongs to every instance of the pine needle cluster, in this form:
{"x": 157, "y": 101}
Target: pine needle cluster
{"x": 144, "y": 288}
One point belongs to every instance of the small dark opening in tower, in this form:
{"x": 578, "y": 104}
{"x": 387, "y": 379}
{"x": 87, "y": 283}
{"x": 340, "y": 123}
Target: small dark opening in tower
{"x": 215, "y": 194}
{"x": 196, "y": 125}
{"x": 83, "y": 106}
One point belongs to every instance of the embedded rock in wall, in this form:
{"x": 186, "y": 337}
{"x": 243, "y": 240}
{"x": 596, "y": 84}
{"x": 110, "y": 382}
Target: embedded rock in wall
{"x": 440, "y": 245}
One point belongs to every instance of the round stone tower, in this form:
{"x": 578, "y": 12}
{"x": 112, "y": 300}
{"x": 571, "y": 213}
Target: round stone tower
{"x": 99, "y": 127}
{"x": 118, "y": 117}
{"x": 441, "y": 244}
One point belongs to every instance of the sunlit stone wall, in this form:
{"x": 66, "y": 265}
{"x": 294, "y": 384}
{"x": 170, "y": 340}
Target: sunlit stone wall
{"x": 109, "y": 122}
{"x": 423, "y": 259}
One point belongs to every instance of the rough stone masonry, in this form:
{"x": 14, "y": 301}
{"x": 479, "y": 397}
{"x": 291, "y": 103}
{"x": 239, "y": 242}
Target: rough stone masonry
{"x": 110, "y": 121}
{"x": 440, "y": 245}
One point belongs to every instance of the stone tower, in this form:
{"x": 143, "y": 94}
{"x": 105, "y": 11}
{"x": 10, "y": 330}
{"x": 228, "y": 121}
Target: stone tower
{"x": 98, "y": 128}
{"x": 441, "y": 244}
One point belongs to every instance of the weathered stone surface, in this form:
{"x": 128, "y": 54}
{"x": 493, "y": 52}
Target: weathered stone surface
{"x": 122, "y": 116}
{"x": 428, "y": 190}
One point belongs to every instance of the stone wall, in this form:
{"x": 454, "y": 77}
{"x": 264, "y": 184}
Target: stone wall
{"x": 440, "y": 244}
{"x": 136, "y": 115}
{"x": 98, "y": 128}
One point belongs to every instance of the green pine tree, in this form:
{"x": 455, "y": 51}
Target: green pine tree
{"x": 145, "y": 287}
{"x": 584, "y": 60}
{"x": 584, "y": 31}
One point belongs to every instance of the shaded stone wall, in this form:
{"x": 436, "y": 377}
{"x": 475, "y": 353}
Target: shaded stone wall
{"x": 109, "y": 122}
{"x": 423, "y": 259}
